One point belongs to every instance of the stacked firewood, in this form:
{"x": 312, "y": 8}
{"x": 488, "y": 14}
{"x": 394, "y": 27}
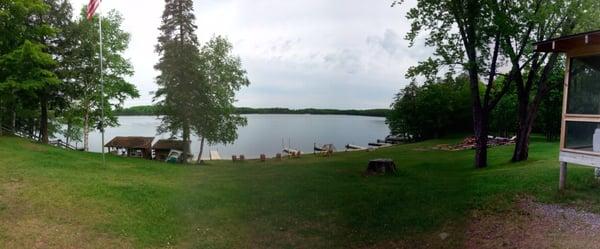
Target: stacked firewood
{"x": 470, "y": 142}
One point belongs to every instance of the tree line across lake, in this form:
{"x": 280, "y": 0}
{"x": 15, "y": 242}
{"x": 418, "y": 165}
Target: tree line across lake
{"x": 153, "y": 110}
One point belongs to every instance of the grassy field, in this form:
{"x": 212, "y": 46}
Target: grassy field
{"x": 51, "y": 198}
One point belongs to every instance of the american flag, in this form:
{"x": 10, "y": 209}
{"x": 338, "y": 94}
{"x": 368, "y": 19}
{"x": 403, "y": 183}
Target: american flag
{"x": 92, "y": 7}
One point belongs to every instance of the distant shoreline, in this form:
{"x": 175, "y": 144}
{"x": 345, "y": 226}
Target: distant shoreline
{"x": 152, "y": 111}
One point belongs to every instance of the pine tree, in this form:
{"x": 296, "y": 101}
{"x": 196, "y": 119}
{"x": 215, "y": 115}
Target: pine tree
{"x": 27, "y": 68}
{"x": 179, "y": 69}
{"x": 58, "y": 17}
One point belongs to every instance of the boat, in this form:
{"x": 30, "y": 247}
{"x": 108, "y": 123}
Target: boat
{"x": 326, "y": 148}
{"x": 378, "y": 144}
{"x": 354, "y": 147}
{"x": 290, "y": 151}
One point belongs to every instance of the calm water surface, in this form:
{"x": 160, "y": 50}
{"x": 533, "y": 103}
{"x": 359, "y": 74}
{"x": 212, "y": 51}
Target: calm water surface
{"x": 265, "y": 133}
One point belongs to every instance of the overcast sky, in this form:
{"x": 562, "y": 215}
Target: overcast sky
{"x": 298, "y": 53}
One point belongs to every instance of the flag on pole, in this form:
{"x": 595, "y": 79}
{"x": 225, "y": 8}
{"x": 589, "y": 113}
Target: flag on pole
{"x": 92, "y": 7}
{"x": 91, "y": 10}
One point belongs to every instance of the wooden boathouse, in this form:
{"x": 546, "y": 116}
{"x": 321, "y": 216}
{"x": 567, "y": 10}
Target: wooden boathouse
{"x": 131, "y": 146}
{"x": 163, "y": 147}
{"x": 580, "y": 127}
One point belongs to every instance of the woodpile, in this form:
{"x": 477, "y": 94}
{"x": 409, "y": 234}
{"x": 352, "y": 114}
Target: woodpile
{"x": 469, "y": 143}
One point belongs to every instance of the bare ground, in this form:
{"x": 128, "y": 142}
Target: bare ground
{"x": 535, "y": 225}
{"x": 22, "y": 227}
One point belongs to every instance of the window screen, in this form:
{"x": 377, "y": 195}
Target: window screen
{"x": 584, "y": 86}
{"x": 580, "y": 135}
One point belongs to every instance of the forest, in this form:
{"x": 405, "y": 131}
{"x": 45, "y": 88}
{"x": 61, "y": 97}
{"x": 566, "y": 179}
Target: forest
{"x": 152, "y": 110}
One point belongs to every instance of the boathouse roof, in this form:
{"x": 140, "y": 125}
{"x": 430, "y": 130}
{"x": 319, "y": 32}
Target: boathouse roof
{"x": 168, "y": 144}
{"x": 131, "y": 142}
{"x": 569, "y": 42}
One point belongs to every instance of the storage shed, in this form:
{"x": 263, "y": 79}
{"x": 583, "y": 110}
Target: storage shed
{"x": 580, "y": 127}
{"x": 164, "y": 146}
{"x": 132, "y": 146}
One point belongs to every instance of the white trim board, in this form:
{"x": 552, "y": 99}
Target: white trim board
{"x": 581, "y": 159}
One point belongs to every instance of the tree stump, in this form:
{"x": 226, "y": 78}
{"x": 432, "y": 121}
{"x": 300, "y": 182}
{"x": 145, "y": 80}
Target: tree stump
{"x": 382, "y": 166}
{"x": 263, "y": 157}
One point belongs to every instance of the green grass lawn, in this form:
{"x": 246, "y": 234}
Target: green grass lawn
{"x": 52, "y": 198}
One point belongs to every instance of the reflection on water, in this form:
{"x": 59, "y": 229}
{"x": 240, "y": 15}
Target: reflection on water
{"x": 266, "y": 133}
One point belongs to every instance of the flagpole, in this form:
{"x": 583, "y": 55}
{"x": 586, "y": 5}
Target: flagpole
{"x": 101, "y": 87}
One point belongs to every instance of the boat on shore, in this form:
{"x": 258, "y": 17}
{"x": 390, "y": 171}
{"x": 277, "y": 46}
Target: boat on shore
{"x": 353, "y": 147}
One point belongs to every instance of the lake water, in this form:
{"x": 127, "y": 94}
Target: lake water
{"x": 265, "y": 133}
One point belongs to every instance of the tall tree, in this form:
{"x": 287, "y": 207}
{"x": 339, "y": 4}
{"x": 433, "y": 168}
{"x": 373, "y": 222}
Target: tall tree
{"x": 86, "y": 70}
{"x": 536, "y": 20}
{"x": 465, "y": 33}
{"x": 179, "y": 69}
{"x": 22, "y": 51}
{"x": 431, "y": 110}
{"x": 215, "y": 118}
{"x": 58, "y": 17}
{"x": 28, "y": 70}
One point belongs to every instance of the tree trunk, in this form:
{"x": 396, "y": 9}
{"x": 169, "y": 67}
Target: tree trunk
{"x": 481, "y": 129}
{"x": 44, "y": 120}
{"x": 86, "y": 130}
{"x": 14, "y": 121}
{"x": 32, "y": 129}
{"x": 526, "y": 121}
{"x": 68, "y": 133}
{"x": 201, "y": 150}
{"x": 521, "y": 152}
{"x": 1, "y": 115}
{"x": 187, "y": 141}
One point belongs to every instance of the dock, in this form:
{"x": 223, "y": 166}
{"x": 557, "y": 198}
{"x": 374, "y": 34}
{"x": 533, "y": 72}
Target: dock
{"x": 214, "y": 155}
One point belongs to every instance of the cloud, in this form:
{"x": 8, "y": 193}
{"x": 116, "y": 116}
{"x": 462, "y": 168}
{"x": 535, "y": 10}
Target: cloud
{"x": 390, "y": 41}
{"x": 298, "y": 53}
{"x": 346, "y": 60}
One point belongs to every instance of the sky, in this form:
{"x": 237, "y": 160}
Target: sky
{"x": 343, "y": 54}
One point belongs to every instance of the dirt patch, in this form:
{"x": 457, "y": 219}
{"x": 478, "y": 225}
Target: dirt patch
{"x": 22, "y": 226}
{"x": 535, "y": 225}
{"x": 32, "y": 232}
{"x": 34, "y": 147}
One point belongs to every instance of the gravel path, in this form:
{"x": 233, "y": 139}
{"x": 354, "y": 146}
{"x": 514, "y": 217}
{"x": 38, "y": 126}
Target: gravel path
{"x": 535, "y": 225}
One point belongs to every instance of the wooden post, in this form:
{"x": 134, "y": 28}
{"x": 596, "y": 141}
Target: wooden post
{"x": 562, "y": 179}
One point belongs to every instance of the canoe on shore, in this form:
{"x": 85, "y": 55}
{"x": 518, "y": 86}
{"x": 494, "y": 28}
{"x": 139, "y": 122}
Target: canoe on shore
{"x": 354, "y": 147}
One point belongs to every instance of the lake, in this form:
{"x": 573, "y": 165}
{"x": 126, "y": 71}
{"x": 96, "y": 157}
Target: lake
{"x": 267, "y": 133}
